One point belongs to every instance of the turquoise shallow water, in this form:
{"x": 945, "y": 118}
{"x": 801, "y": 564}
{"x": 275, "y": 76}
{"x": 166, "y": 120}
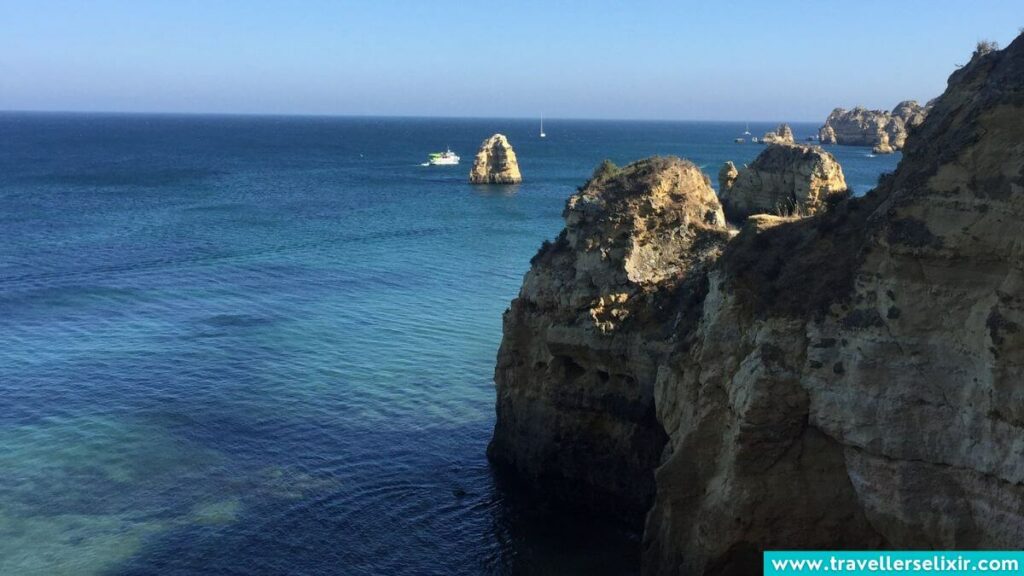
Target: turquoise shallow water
{"x": 258, "y": 345}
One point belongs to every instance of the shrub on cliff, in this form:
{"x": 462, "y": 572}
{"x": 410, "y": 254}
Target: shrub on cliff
{"x": 984, "y": 47}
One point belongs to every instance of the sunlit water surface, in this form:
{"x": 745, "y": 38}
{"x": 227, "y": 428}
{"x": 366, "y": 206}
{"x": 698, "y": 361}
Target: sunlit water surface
{"x": 236, "y": 345}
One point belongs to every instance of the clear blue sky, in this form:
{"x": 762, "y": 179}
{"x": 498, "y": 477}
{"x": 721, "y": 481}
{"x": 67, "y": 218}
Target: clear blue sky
{"x": 754, "y": 60}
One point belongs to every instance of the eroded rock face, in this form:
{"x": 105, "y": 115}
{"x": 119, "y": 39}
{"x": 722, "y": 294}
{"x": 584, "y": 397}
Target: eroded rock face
{"x": 495, "y": 163}
{"x": 575, "y": 373}
{"x": 726, "y": 176}
{"x": 847, "y": 380}
{"x": 855, "y": 378}
{"x": 863, "y": 127}
{"x": 781, "y": 135}
{"x": 912, "y": 113}
{"x": 883, "y": 146}
{"x": 783, "y": 179}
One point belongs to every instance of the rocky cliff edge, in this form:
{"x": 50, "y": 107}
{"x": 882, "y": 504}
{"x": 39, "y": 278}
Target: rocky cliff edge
{"x": 847, "y": 380}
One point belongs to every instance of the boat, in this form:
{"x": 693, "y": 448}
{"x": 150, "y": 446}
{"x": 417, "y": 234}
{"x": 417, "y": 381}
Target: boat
{"x": 754, "y": 140}
{"x": 446, "y": 158}
{"x": 542, "y": 134}
{"x": 747, "y": 131}
{"x": 739, "y": 140}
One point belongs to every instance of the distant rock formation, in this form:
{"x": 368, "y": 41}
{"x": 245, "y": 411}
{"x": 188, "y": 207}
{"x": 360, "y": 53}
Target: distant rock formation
{"x": 726, "y": 176}
{"x": 912, "y": 113}
{"x": 863, "y": 127}
{"x": 782, "y": 135}
{"x": 851, "y": 380}
{"x": 495, "y": 163}
{"x": 883, "y": 146}
{"x": 782, "y": 180}
{"x": 574, "y": 395}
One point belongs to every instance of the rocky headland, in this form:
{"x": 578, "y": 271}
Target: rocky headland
{"x": 783, "y": 180}
{"x": 850, "y": 379}
{"x": 495, "y": 163}
{"x": 578, "y": 361}
{"x": 874, "y": 128}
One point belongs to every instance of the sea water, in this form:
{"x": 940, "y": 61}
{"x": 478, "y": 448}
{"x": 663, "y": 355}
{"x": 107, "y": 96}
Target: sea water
{"x": 265, "y": 345}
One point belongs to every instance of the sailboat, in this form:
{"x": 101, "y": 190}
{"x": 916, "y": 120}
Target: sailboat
{"x": 542, "y": 134}
{"x": 747, "y": 131}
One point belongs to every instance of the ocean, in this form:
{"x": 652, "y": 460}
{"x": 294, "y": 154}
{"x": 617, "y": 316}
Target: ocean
{"x": 265, "y": 345}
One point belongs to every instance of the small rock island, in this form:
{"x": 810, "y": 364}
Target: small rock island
{"x": 781, "y": 135}
{"x": 495, "y": 163}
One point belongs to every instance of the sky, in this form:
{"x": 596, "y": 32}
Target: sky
{"x": 774, "y": 60}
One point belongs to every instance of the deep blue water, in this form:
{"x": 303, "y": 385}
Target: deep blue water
{"x": 259, "y": 345}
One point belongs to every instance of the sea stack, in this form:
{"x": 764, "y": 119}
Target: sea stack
{"x": 727, "y": 174}
{"x": 781, "y": 135}
{"x": 883, "y": 146}
{"x": 783, "y": 180}
{"x": 495, "y": 163}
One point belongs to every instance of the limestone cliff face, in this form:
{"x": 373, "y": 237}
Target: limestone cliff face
{"x": 883, "y": 146}
{"x": 912, "y": 113}
{"x": 576, "y": 368}
{"x": 495, "y": 163}
{"x": 863, "y": 127}
{"x": 847, "y": 380}
{"x": 781, "y": 135}
{"x": 783, "y": 179}
{"x": 855, "y": 379}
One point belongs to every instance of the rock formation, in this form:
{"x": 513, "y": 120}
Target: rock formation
{"x": 910, "y": 112}
{"x": 847, "y": 380}
{"x": 782, "y": 180}
{"x": 727, "y": 174}
{"x": 782, "y": 135}
{"x": 883, "y": 146}
{"x": 495, "y": 163}
{"x": 863, "y": 127}
{"x": 575, "y": 370}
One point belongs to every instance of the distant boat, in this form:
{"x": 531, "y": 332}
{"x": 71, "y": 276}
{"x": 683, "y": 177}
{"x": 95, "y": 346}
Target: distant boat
{"x": 754, "y": 140}
{"x": 446, "y": 158}
{"x": 739, "y": 140}
{"x": 542, "y": 134}
{"x": 747, "y": 131}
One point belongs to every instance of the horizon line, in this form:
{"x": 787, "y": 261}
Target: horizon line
{"x": 368, "y": 116}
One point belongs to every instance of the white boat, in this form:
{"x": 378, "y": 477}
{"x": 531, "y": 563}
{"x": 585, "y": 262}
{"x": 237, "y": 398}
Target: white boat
{"x": 747, "y": 131}
{"x": 542, "y": 134}
{"x": 446, "y": 158}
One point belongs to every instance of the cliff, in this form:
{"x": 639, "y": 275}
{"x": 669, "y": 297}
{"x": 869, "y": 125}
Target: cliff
{"x": 576, "y": 367}
{"x": 875, "y": 128}
{"x": 782, "y": 180}
{"x": 495, "y": 163}
{"x": 846, "y": 380}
